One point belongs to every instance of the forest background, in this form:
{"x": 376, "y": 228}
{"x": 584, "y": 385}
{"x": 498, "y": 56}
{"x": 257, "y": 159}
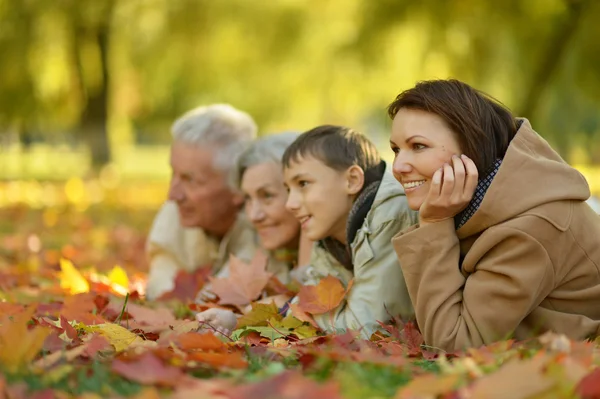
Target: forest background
{"x": 89, "y": 88}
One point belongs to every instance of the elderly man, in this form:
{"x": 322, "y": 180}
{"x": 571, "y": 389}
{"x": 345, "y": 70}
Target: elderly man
{"x": 201, "y": 223}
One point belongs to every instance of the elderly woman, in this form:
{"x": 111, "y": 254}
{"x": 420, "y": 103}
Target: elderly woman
{"x": 260, "y": 178}
{"x": 200, "y": 224}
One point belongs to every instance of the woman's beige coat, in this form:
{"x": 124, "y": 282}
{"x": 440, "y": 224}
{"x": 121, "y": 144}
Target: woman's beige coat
{"x": 526, "y": 262}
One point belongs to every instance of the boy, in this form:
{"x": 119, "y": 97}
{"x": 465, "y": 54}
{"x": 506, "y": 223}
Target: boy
{"x": 345, "y": 198}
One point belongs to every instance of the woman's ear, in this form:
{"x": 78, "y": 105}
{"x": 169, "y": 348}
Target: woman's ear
{"x": 355, "y": 179}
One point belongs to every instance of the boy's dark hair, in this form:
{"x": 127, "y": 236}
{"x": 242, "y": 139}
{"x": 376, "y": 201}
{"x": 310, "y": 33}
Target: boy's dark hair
{"x": 482, "y": 125}
{"x": 336, "y": 146}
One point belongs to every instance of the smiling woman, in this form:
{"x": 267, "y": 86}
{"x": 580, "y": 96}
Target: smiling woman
{"x": 505, "y": 244}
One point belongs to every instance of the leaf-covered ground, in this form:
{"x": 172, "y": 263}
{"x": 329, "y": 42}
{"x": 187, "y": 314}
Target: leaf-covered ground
{"x": 73, "y": 323}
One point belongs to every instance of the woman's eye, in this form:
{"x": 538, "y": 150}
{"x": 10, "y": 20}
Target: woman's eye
{"x": 395, "y": 150}
{"x": 302, "y": 183}
{"x": 418, "y": 146}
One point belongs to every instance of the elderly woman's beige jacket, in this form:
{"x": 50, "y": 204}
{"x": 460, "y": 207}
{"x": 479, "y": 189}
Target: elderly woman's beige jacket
{"x": 379, "y": 291}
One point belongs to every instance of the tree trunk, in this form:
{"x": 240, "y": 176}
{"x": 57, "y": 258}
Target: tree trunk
{"x": 550, "y": 61}
{"x": 94, "y": 118}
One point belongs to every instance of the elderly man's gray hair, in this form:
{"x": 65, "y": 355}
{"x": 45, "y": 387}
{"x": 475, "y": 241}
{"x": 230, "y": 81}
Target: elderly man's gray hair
{"x": 220, "y": 125}
{"x": 266, "y": 149}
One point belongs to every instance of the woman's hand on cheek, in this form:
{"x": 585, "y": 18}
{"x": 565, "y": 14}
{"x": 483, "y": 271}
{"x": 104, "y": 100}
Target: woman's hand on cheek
{"x": 452, "y": 188}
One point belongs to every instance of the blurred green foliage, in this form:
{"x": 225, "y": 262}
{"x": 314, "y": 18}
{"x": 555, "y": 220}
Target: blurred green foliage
{"x": 109, "y": 76}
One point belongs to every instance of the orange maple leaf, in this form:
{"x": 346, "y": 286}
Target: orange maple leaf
{"x": 323, "y": 297}
{"x": 245, "y": 282}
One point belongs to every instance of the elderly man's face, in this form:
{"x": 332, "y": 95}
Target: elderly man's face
{"x": 201, "y": 192}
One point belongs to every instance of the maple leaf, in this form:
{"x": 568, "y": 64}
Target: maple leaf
{"x": 412, "y": 338}
{"x": 119, "y": 337}
{"x": 260, "y": 314}
{"x": 323, "y": 297}
{"x": 245, "y": 282}
{"x": 148, "y": 369}
{"x": 18, "y": 344}
{"x": 187, "y": 284}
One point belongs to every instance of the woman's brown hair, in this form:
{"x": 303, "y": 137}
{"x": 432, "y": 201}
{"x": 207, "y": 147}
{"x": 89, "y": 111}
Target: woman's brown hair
{"x": 482, "y": 125}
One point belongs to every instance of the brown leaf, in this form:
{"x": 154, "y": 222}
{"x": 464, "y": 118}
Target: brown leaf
{"x": 287, "y": 385}
{"x": 516, "y": 380}
{"x": 233, "y": 360}
{"x": 323, "y": 297}
{"x": 148, "y": 370}
{"x": 196, "y": 341}
{"x": 302, "y": 315}
{"x": 589, "y": 386}
{"x": 245, "y": 282}
{"x": 428, "y": 386}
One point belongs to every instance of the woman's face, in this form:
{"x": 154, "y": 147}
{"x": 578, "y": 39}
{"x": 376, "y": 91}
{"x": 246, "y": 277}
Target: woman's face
{"x": 422, "y": 143}
{"x": 266, "y": 196}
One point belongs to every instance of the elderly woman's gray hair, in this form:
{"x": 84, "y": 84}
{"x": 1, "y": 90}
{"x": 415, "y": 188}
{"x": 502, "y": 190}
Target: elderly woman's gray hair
{"x": 267, "y": 149}
{"x": 222, "y": 126}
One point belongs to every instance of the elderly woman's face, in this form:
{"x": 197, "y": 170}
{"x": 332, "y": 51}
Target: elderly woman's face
{"x": 266, "y": 196}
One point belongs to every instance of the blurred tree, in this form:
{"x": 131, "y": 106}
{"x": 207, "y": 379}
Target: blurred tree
{"x": 114, "y": 69}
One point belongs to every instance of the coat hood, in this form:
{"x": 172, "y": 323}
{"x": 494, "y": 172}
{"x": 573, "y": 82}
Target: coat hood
{"x": 532, "y": 174}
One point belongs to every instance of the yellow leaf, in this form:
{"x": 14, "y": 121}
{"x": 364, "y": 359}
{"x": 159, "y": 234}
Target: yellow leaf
{"x": 118, "y": 276}
{"x": 71, "y": 279}
{"x": 295, "y": 326}
{"x": 57, "y": 373}
{"x": 119, "y": 337}
{"x": 259, "y": 315}
{"x": 19, "y": 345}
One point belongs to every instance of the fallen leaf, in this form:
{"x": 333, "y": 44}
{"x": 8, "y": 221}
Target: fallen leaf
{"x": 428, "y": 386}
{"x": 119, "y": 337}
{"x": 298, "y": 313}
{"x": 19, "y": 345}
{"x": 71, "y": 279}
{"x": 259, "y": 315}
{"x": 245, "y": 282}
{"x": 148, "y": 369}
{"x": 287, "y": 385}
{"x": 119, "y": 277}
{"x": 233, "y": 360}
{"x": 517, "y": 379}
{"x": 323, "y": 297}
{"x": 589, "y": 386}
{"x": 196, "y": 341}
{"x": 187, "y": 284}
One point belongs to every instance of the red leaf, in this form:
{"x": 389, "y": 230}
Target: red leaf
{"x": 589, "y": 386}
{"x": 287, "y": 385}
{"x": 96, "y": 344}
{"x": 69, "y": 330}
{"x": 245, "y": 282}
{"x": 188, "y": 284}
{"x": 323, "y": 297}
{"x": 148, "y": 369}
{"x": 412, "y": 338}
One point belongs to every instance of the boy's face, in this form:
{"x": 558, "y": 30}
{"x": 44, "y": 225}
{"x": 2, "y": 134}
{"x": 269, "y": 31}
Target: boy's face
{"x": 319, "y": 197}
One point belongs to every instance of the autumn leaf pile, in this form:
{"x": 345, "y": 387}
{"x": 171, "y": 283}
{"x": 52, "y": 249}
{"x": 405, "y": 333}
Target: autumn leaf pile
{"x": 74, "y": 324}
